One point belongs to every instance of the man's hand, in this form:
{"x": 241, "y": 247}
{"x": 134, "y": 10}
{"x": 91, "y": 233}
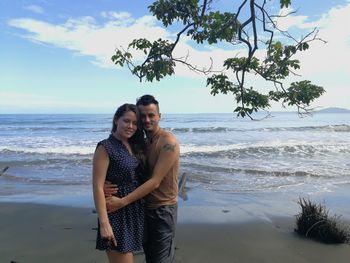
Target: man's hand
{"x": 109, "y": 189}
{"x": 114, "y": 203}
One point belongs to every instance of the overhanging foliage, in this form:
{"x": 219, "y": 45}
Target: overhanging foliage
{"x": 207, "y": 26}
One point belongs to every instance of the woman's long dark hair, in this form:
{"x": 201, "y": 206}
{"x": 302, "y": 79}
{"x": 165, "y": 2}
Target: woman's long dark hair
{"x": 137, "y": 141}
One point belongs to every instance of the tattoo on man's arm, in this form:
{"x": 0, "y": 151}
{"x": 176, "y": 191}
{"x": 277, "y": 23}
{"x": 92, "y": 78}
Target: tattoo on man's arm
{"x": 169, "y": 147}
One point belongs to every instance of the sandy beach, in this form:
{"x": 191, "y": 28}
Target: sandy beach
{"x": 48, "y": 233}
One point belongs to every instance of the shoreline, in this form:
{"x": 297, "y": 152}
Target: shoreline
{"x": 244, "y": 204}
{"x": 38, "y": 233}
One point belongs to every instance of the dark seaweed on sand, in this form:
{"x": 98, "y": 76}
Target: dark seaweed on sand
{"x": 315, "y": 222}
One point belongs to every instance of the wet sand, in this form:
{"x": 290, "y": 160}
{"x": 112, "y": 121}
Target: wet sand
{"x": 48, "y": 233}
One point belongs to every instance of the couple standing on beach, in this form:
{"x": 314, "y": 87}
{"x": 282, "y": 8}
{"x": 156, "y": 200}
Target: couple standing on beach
{"x": 128, "y": 167}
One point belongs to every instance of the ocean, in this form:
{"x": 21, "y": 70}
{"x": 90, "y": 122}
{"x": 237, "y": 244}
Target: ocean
{"x": 49, "y": 156}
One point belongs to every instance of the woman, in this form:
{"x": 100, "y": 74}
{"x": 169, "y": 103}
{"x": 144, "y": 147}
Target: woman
{"x": 118, "y": 160}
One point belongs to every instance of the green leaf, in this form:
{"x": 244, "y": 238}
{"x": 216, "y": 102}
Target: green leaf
{"x": 303, "y": 92}
{"x": 285, "y": 3}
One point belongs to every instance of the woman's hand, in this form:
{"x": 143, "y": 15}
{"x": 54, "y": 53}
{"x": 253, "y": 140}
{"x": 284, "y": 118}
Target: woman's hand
{"x": 107, "y": 233}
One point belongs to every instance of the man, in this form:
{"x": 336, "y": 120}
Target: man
{"x": 161, "y": 189}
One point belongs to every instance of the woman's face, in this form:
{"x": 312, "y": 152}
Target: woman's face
{"x": 126, "y": 125}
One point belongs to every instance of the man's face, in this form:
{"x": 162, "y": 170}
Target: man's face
{"x": 149, "y": 117}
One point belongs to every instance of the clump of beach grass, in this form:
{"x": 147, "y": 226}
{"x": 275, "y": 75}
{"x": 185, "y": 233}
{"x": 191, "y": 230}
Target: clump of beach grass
{"x": 315, "y": 222}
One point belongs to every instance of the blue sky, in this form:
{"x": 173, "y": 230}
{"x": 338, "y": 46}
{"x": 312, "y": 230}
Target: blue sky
{"x": 55, "y": 56}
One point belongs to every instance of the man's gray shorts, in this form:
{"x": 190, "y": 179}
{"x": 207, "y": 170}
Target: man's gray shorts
{"x": 159, "y": 246}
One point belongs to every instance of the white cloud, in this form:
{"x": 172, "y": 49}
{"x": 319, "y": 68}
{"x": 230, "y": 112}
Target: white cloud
{"x": 335, "y": 54}
{"x": 286, "y": 21}
{"x": 86, "y": 37}
{"x": 120, "y": 18}
{"x": 324, "y": 58}
{"x": 35, "y": 8}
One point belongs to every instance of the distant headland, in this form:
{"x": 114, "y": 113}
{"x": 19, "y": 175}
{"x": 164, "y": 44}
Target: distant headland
{"x": 333, "y": 110}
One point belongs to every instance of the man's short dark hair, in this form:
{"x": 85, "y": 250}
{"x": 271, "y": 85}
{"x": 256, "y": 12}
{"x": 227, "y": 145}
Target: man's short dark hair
{"x": 146, "y": 100}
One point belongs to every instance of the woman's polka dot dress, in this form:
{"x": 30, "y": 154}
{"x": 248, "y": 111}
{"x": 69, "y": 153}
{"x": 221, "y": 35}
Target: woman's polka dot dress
{"x": 128, "y": 222}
